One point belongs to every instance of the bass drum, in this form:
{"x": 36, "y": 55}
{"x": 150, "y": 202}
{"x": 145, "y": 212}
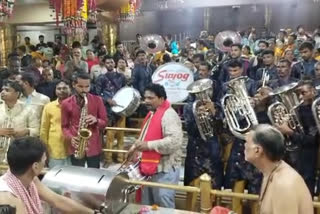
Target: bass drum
{"x": 127, "y": 100}
{"x": 175, "y": 78}
{"x": 94, "y": 188}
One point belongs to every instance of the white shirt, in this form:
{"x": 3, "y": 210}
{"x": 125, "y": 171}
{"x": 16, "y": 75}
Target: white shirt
{"x": 20, "y": 117}
{"x": 37, "y": 100}
{"x": 96, "y": 71}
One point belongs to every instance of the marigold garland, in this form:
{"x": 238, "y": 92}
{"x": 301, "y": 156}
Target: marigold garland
{"x": 74, "y": 14}
{"x": 130, "y": 10}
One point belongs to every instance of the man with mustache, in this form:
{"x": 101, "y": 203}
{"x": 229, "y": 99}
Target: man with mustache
{"x": 160, "y": 147}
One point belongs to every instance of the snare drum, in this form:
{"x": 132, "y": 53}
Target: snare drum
{"x": 128, "y": 100}
{"x": 133, "y": 172}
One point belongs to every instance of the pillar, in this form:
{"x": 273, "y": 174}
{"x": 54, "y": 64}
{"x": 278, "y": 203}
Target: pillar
{"x": 206, "y": 18}
{"x": 8, "y": 41}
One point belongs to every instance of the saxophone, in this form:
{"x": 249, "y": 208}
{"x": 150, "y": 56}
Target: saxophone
{"x": 83, "y": 132}
{"x": 5, "y": 141}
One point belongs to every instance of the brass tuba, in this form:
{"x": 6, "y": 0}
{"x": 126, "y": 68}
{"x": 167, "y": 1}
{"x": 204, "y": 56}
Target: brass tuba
{"x": 237, "y": 108}
{"x": 152, "y": 43}
{"x": 225, "y": 39}
{"x": 316, "y": 112}
{"x": 202, "y": 89}
{"x": 83, "y": 132}
{"x": 223, "y": 42}
{"x": 5, "y": 141}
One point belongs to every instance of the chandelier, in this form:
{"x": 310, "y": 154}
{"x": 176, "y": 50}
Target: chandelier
{"x": 6, "y": 9}
{"x": 74, "y": 14}
{"x": 129, "y": 11}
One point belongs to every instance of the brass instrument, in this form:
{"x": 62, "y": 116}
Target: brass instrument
{"x": 223, "y": 42}
{"x": 152, "y": 43}
{"x": 284, "y": 110}
{"x": 316, "y": 112}
{"x": 225, "y": 39}
{"x": 83, "y": 132}
{"x": 202, "y": 89}
{"x": 5, "y": 141}
{"x": 237, "y": 108}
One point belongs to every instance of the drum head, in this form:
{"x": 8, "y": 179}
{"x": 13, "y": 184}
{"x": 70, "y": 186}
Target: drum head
{"x": 123, "y": 98}
{"x": 175, "y": 78}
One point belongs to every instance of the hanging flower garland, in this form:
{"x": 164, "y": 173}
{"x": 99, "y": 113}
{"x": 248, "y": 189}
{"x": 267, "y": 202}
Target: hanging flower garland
{"x": 74, "y": 14}
{"x": 130, "y": 10}
{"x": 6, "y": 9}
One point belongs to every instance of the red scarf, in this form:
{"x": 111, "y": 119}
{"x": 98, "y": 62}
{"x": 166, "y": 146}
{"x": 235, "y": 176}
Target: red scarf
{"x": 29, "y": 197}
{"x": 150, "y": 159}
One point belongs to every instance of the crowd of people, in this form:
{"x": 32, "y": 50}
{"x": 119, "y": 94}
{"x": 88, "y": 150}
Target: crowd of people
{"x": 43, "y": 87}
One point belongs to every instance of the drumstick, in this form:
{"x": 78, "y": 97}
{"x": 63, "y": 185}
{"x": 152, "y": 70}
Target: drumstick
{"x": 141, "y": 136}
{"x": 119, "y": 105}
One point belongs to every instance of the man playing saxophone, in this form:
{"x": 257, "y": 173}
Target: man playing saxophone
{"x": 16, "y": 120}
{"x": 305, "y": 157}
{"x": 203, "y": 149}
{"x": 83, "y": 111}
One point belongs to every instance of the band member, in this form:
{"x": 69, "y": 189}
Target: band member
{"x": 235, "y": 54}
{"x": 235, "y": 69}
{"x": 50, "y": 130}
{"x": 307, "y": 141}
{"x": 107, "y": 86}
{"x": 160, "y": 143}
{"x": 283, "y": 190}
{"x": 317, "y": 75}
{"x": 269, "y": 69}
{"x": 306, "y": 66}
{"x": 240, "y": 174}
{"x": 257, "y": 61}
{"x": 284, "y": 75}
{"x": 76, "y": 113}
{"x": 26, "y": 159}
{"x": 203, "y": 156}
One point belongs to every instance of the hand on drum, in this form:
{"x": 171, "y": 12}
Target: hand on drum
{"x": 90, "y": 120}
{"x": 75, "y": 142}
{"x": 111, "y": 102}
